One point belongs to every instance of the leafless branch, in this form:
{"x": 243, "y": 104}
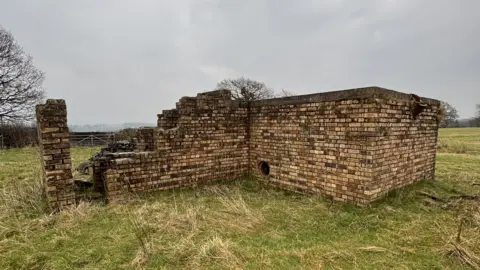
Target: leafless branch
{"x": 20, "y": 82}
{"x": 284, "y": 93}
{"x": 246, "y": 89}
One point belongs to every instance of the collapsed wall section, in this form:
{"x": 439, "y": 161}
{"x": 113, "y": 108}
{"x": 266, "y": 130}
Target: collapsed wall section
{"x": 206, "y": 142}
{"x": 168, "y": 119}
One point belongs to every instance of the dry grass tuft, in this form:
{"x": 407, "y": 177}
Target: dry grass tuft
{"x": 238, "y": 214}
{"x": 74, "y": 214}
{"x": 182, "y": 230}
{"x": 23, "y": 198}
{"x": 464, "y": 244}
{"x": 214, "y": 190}
{"x": 143, "y": 232}
{"x": 463, "y": 254}
{"x": 217, "y": 252}
{"x": 141, "y": 258}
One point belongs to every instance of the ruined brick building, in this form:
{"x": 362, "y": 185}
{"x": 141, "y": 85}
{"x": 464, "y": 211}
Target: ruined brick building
{"x": 352, "y": 145}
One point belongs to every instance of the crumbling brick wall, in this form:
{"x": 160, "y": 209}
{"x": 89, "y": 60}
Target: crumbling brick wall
{"x": 56, "y": 163}
{"x": 168, "y": 119}
{"x": 339, "y": 144}
{"x": 207, "y": 143}
{"x": 146, "y": 139}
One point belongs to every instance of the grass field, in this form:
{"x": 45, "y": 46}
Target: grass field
{"x": 244, "y": 225}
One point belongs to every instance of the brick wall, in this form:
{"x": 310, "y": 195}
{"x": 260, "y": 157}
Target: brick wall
{"x": 339, "y": 144}
{"x": 207, "y": 144}
{"x": 353, "y": 145}
{"x": 405, "y": 149}
{"x": 146, "y": 139}
{"x": 319, "y": 147}
{"x": 55, "y": 153}
{"x": 168, "y": 119}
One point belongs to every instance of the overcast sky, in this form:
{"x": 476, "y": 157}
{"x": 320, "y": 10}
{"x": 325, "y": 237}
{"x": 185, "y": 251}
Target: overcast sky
{"x": 124, "y": 61}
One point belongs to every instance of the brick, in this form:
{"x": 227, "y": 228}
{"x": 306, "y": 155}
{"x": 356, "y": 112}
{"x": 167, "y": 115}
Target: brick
{"x": 50, "y": 130}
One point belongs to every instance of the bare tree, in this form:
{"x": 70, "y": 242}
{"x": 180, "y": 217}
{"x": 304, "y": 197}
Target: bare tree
{"x": 284, "y": 93}
{"x": 20, "y": 82}
{"x": 476, "y": 120}
{"x": 246, "y": 89}
{"x": 450, "y": 115}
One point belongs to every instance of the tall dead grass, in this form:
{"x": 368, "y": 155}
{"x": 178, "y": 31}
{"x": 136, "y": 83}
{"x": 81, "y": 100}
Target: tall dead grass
{"x": 23, "y": 198}
{"x": 217, "y": 251}
{"x": 192, "y": 233}
{"x": 463, "y": 244}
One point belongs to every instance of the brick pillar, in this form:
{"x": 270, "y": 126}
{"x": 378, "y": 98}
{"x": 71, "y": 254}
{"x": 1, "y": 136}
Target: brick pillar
{"x": 54, "y": 141}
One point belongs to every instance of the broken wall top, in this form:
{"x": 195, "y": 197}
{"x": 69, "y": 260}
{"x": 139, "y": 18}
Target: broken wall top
{"x": 212, "y": 98}
{"x": 222, "y": 99}
{"x": 348, "y": 94}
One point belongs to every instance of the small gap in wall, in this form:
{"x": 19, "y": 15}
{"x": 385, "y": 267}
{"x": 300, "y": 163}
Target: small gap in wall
{"x": 264, "y": 168}
{"x": 417, "y": 105}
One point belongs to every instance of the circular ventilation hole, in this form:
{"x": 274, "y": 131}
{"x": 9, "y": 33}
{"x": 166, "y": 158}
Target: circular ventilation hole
{"x": 264, "y": 168}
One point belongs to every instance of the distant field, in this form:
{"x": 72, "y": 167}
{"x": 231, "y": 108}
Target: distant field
{"x": 460, "y": 141}
{"x": 245, "y": 225}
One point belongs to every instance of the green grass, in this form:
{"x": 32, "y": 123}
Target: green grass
{"x": 459, "y": 140}
{"x": 243, "y": 224}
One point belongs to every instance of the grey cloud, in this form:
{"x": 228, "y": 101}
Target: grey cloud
{"x": 125, "y": 61}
